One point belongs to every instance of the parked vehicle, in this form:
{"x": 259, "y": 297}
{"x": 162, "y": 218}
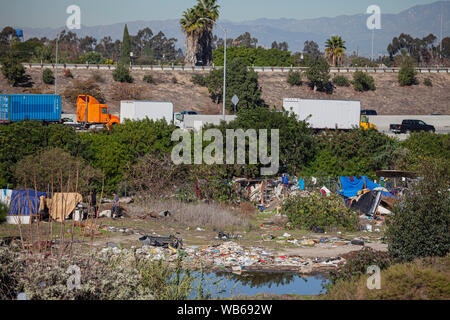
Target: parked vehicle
{"x": 196, "y": 122}
{"x": 329, "y": 114}
{"x": 189, "y": 113}
{"x": 140, "y": 110}
{"x": 369, "y": 113}
{"x": 90, "y": 112}
{"x": 409, "y": 126}
{"x": 34, "y": 107}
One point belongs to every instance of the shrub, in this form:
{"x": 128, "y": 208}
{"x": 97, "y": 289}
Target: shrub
{"x": 126, "y": 91}
{"x": 122, "y": 74}
{"x": 294, "y": 78}
{"x": 318, "y": 74}
{"x": 199, "y": 80}
{"x": 407, "y": 74}
{"x": 80, "y": 87}
{"x": 149, "y": 79}
{"x": 11, "y": 267}
{"x": 47, "y": 76}
{"x": 324, "y": 212}
{"x": 3, "y": 211}
{"x": 427, "y": 82}
{"x": 421, "y": 222}
{"x": 341, "y": 81}
{"x": 97, "y": 77}
{"x": 357, "y": 265}
{"x": 13, "y": 70}
{"x": 363, "y": 81}
{"x": 174, "y": 80}
{"x": 67, "y": 73}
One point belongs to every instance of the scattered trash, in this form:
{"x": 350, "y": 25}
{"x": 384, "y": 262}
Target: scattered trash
{"x": 164, "y": 242}
{"x": 317, "y": 229}
{"x": 357, "y": 242}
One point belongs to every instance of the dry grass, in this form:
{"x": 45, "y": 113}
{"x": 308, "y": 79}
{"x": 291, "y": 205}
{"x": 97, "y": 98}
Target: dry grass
{"x": 204, "y": 215}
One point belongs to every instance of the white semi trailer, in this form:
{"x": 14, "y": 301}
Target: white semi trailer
{"x": 326, "y": 114}
{"x": 196, "y": 122}
{"x": 140, "y": 110}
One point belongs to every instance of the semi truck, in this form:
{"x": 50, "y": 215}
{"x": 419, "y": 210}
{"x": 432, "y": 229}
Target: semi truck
{"x": 140, "y": 110}
{"x": 329, "y": 114}
{"x": 33, "y": 107}
{"x": 90, "y": 112}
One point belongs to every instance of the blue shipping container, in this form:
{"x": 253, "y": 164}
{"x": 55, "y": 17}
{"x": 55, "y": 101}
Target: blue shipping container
{"x": 34, "y": 107}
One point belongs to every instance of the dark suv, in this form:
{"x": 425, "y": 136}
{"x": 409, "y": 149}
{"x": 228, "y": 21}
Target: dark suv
{"x": 409, "y": 126}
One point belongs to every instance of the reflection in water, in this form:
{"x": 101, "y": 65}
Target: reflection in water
{"x": 260, "y": 279}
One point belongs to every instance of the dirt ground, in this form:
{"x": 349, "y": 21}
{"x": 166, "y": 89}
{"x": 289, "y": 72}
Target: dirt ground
{"x": 388, "y": 99}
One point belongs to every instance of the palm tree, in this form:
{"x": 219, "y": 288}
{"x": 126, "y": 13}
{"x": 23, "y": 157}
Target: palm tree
{"x": 197, "y": 23}
{"x": 335, "y": 49}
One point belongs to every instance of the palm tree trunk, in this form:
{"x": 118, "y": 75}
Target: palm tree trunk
{"x": 191, "y": 47}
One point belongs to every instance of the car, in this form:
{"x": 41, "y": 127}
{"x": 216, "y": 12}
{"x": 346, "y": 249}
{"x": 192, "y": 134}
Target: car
{"x": 411, "y": 125}
{"x": 189, "y": 113}
{"x": 368, "y": 113}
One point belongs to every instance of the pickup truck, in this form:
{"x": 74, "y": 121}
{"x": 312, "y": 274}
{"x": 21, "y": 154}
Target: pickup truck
{"x": 409, "y": 126}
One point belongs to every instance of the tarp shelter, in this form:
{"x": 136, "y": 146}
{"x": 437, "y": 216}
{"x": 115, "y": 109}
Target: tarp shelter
{"x": 61, "y": 205}
{"x": 352, "y": 185}
{"x": 25, "y": 202}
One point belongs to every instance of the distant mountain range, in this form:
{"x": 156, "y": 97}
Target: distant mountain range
{"x": 418, "y": 21}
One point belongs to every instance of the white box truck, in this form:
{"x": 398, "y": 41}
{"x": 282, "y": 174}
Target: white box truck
{"x": 326, "y": 114}
{"x": 139, "y": 110}
{"x": 196, "y": 122}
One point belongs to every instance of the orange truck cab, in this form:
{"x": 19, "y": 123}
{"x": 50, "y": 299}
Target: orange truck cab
{"x": 96, "y": 113}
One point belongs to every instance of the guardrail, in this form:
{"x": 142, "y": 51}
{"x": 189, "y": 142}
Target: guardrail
{"x": 209, "y": 68}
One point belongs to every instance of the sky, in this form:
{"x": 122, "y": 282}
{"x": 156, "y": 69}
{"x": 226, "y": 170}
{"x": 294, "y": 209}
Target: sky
{"x": 52, "y": 13}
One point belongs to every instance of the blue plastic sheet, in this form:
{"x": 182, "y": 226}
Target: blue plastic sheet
{"x": 352, "y": 185}
{"x": 25, "y": 202}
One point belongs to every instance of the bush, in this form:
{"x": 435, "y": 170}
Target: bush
{"x": 329, "y": 213}
{"x": 126, "y": 91}
{"x": 92, "y": 58}
{"x": 47, "y": 76}
{"x": 318, "y": 74}
{"x": 97, "y": 77}
{"x": 427, "y": 82}
{"x": 174, "y": 80}
{"x": 341, "y": 81}
{"x": 122, "y": 74}
{"x": 294, "y": 78}
{"x": 13, "y": 70}
{"x": 407, "y": 74}
{"x": 80, "y": 87}
{"x": 357, "y": 265}
{"x": 149, "y": 79}
{"x": 67, "y": 73}
{"x": 199, "y": 80}
{"x": 11, "y": 267}
{"x": 363, "y": 81}
{"x": 3, "y": 212}
{"x": 421, "y": 222}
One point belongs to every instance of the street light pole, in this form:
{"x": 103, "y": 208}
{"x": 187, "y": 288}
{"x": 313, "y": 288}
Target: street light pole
{"x": 56, "y": 69}
{"x": 224, "y": 64}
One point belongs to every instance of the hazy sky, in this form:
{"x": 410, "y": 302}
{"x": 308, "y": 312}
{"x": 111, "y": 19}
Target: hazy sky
{"x": 52, "y": 13}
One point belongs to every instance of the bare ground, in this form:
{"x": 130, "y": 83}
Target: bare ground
{"x": 388, "y": 99}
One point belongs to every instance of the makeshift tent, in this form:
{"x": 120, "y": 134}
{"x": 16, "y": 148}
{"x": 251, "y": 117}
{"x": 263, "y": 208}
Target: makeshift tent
{"x": 25, "y": 202}
{"x": 352, "y": 185}
{"x": 61, "y": 205}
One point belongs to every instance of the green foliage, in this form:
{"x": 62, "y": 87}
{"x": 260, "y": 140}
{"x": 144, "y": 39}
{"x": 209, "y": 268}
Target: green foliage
{"x": 425, "y": 146}
{"x": 407, "y": 73}
{"x": 149, "y": 79}
{"x": 92, "y": 58}
{"x": 341, "y": 81}
{"x": 3, "y": 212}
{"x": 13, "y": 70}
{"x": 11, "y": 267}
{"x": 126, "y": 49}
{"x": 363, "y": 62}
{"x": 363, "y": 82}
{"x": 329, "y": 213}
{"x": 47, "y": 76}
{"x": 427, "y": 82}
{"x": 241, "y": 81}
{"x": 318, "y": 74}
{"x": 294, "y": 78}
{"x": 199, "y": 80}
{"x": 357, "y": 265}
{"x": 354, "y": 153}
{"x": 122, "y": 74}
{"x": 256, "y": 57}
{"x": 421, "y": 222}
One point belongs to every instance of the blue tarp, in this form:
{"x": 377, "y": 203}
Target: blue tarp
{"x": 24, "y": 202}
{"x": 351, "y": 188}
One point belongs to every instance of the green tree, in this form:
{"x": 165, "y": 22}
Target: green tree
{"x": 13, "y": 70}
{"x": 294, "y": 78}
{"x": 122, "y": 74}
{"x": 92, "y": 58}
{"x": 241, "y": 81}
{"x": 363, "y": 82}
{"x": 197, "y": 23}
{"x": 126, "y": 48}
{"x": 318, "y": 74}
{"x": 335, "y": 49}
{"x": 407, "y": 73}
{"x": 421, "y": 222}
{"x": 47, "y": 76}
